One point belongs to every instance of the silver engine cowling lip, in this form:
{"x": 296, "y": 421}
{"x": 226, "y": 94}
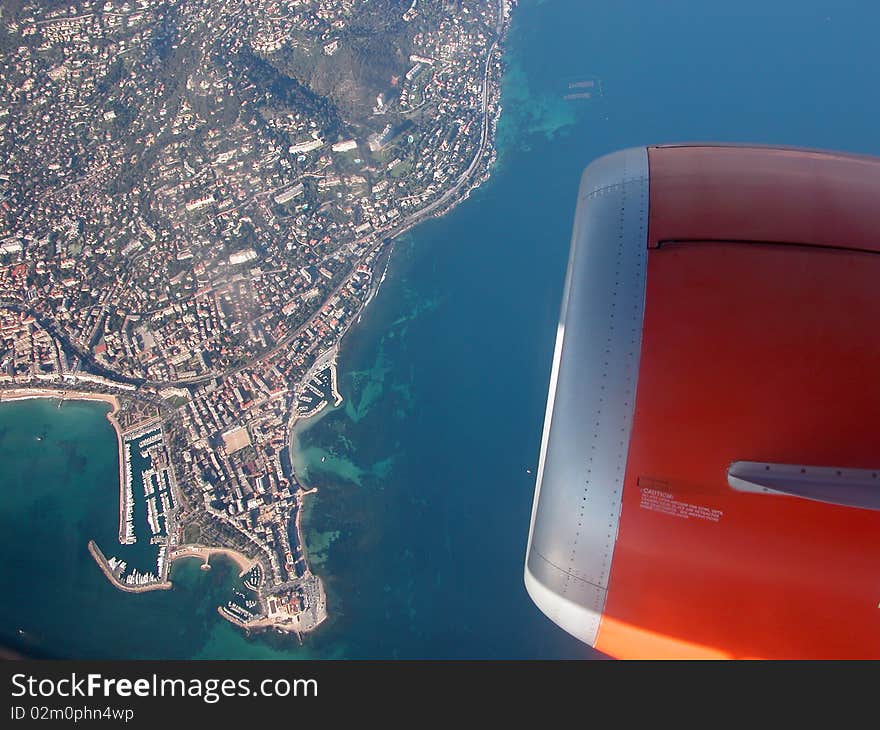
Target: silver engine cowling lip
{"x": 588, "y": 421}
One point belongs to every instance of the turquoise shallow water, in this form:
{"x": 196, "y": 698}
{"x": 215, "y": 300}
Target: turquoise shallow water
{"x": 420, "y": 522}
{"x": 60, "y": 489}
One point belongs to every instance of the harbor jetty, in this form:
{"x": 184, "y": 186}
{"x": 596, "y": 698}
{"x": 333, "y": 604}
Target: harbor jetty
{"x": 113, "y": 570}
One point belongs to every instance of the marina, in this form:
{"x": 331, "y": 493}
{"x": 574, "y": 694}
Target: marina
{"x": 115, "y": 571}
{"x": 318, "y": 392}
{"x": 242, "y": 608}
{"x": 413, "y": 540}
{"x": 145, "y": 513}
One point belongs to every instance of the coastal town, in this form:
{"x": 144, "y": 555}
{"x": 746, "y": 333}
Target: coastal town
{"x": 197, "y": 200}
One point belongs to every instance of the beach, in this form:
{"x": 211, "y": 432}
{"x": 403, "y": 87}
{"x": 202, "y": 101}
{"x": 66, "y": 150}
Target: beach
{"x": 14, "y": 394}
{"x": 18, "y": 394}
{"x": 11, "y": 394}
{"x": 204, "y": 553}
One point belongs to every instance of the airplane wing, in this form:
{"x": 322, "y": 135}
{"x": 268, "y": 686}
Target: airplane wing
{"x": 708, "y": 481}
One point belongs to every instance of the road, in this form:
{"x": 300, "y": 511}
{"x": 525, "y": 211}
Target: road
{"x": 384, "y": 236}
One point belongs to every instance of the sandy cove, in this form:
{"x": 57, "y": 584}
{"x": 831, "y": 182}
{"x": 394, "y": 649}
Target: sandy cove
{"x": 12, "y": 394}
{"x": 205, "y": 553}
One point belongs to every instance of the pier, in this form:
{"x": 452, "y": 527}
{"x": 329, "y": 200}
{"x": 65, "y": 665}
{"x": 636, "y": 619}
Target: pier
{"x": 319, "y": 388}
{"x": 113, "y": 569}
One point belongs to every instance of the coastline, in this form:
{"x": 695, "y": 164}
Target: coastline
{"x": 200, "y": 552}
{"x": 191, "y": 551}
{"x": 298, "y": 424}
{"x": 259, "y": 623}
{"x": 473, "y": 176}
{"x": 14, "y": 394}
{"x": 205, "y": 553}
{"x": 23, "y": 393}
{"x": 101, "y": 560}
{"x": 457, "y": 194}
{"x": 17, "y": 394}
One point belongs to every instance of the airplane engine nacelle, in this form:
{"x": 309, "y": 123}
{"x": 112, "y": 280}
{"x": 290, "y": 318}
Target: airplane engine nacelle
{"x": 707, "y": 484}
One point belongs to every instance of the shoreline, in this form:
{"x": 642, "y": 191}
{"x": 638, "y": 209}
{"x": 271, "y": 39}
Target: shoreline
{"x": 10, "y": 395}
{"x": 25, "y": 393}
{"x": 259, "y": 624}
{"x": 101, "y": 560}
{"x": 202, "y": 552}
{"x": 459, "y": 193}
{"x": 299, "y": 424}
{"x": 475, "y": 174}
{"x": 17, "y": 394}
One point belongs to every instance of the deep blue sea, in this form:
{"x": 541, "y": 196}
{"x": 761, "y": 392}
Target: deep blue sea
{"x": 420, "y": 522}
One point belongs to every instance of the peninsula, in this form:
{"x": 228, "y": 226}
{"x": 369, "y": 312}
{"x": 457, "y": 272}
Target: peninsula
{"x": 197, "y": 199}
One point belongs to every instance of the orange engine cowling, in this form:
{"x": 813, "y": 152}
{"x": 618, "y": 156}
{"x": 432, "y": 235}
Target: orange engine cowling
{"x": 708, "y": 481}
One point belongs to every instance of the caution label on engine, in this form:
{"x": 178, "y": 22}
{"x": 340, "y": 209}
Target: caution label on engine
{"x": 659, "y": 501}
